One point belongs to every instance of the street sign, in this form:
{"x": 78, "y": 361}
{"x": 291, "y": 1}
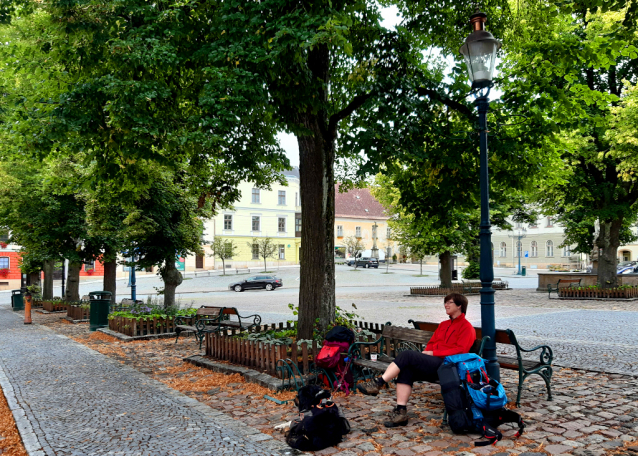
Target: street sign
{"x": 526, "y": 253}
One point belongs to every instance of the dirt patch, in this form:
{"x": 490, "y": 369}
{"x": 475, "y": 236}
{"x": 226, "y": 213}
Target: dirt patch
{"x": 10, "y": 441}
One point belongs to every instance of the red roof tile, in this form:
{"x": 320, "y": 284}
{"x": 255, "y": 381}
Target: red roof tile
{"x": 358, "y": 203}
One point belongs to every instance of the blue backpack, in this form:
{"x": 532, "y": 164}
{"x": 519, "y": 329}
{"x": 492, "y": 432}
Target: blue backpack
{"x": 474, "y": 402}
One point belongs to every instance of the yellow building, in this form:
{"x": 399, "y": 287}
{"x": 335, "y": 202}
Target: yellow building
{"x": 359, "y": 214}
{"x": 259, "y": 213}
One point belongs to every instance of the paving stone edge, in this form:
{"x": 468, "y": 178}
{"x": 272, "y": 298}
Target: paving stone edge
{"x": 30, "y": 440}
{"x": 125, "y": 338}
{"x": 251, "y": 375}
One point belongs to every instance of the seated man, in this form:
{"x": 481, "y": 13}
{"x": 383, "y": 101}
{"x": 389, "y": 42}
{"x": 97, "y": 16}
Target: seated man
{"x": 452, "y": 337}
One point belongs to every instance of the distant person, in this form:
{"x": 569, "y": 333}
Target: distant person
{"x": 452, "y": 337}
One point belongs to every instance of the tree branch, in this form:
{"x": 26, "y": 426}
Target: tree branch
{"x": 455, "y": 105}
{"x": 355, "y": 104}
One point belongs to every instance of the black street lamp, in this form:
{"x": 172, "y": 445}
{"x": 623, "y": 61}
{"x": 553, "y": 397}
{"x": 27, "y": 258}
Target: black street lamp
{"x": 479, "y": 51}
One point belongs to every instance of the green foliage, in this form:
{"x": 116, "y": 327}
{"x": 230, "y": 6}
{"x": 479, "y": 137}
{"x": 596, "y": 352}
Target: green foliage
{"x": 472, "y": 270}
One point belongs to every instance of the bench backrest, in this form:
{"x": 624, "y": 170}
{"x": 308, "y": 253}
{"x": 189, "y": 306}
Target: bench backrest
{"x": 569, "y": 282}
{"x": 208, "y": 311}
{"x": 211, "y": 311}
{"x": 406, "y": 334}
{"x": 501, "y": 335}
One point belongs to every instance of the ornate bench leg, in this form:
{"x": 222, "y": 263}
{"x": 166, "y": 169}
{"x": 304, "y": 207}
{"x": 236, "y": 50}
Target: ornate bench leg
{"x": 547, "y": 376}
{"x": 178, "y": 331}
{"x": 444, "y": 416}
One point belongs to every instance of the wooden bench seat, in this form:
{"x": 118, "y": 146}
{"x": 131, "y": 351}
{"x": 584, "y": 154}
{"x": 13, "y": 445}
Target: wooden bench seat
{"x": 525, "y": 367}
{"x": 565, "y": 283}
{"x": 214, "y": 319}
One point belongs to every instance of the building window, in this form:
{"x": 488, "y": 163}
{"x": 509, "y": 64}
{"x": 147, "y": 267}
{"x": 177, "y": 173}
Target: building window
{"x": 357, "y": 231}
{"x": 534, "y": 247}
{"x": 255, "y": 195}
{"x": 567, "y": 251}
{"x": 4, "y": 236}
{"x": 503, "y": 252}
{"x": 228, "y": 222}
{"x": 282, "y": 224}
{"x": 296, "y": 199}
{"x": 255, "y": 223}
{"x": 281, "y": 197}
{"x": 339, "y": 230}
{"x": 550, "y": 249}
{"x": 517, "y": 251}
{"x": 388, "y": 232}
{"x": 518, "y": 225}
{"x": 282, "y": 252}
{"x": 4, "y": 263}
{"x": 255, "y": 251}
{"x": 549, "y": 223}
{"x": 297, "y": 225}
{"x": 89, "y": 266}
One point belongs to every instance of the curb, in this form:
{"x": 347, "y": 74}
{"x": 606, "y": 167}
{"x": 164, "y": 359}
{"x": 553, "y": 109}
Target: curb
{"x": 250, "y": 375}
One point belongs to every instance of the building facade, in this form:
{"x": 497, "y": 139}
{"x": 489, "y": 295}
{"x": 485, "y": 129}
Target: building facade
{"x": 259, "y": 213}
{"x": 359, "y": 214}
{"x": 538, "y": 246}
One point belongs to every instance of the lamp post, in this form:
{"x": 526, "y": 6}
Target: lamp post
{"x": 519, "y": 247}
{"x": 479, "y": 50}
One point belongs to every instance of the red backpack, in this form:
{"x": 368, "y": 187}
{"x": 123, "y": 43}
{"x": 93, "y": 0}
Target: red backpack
{"x": 330, "y": 354}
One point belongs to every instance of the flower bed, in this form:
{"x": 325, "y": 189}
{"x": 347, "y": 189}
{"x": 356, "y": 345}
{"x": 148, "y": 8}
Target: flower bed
{"x": 148, "y": 319}
{"x": 596, "y": 292}
{"x": 79, "y": 311}
{"x": 465, "y": 287}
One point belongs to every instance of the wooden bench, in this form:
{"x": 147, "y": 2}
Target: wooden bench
{"x": 565, "y": 282}
{"x": 391, "y": 342}
{"x": 525, "y": 368}
{"x": 213, "y": 319}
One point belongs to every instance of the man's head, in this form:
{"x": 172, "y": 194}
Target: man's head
{"x": 455, "y": 302}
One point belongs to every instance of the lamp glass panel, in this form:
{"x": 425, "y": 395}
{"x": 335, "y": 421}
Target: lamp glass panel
{"x": 481, "y": 59}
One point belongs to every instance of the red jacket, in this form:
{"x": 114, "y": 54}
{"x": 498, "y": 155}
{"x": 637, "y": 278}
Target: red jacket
{"x": 452, "y": 337}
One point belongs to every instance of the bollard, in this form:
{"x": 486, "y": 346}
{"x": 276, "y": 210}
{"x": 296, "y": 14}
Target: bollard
{"x": 28, "y": 299}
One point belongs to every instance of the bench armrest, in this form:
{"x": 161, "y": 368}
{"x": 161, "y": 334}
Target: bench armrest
{"x": 355, "y": 349}
{"x": 179, "y": 320}
{"x": 482, "y": 346}
{"x": 546, "y": 355}
{"x": 256, "y": 319}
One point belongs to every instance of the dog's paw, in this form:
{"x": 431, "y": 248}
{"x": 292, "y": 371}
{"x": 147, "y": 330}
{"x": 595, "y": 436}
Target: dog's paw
{"x": 283, "y": 426}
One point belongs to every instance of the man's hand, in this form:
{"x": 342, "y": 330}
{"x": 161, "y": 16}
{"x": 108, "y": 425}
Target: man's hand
{"x": 428, "y": 353}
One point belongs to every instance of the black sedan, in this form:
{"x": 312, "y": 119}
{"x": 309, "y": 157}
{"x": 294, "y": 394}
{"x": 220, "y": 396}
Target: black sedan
{"x": 260, "y": 281}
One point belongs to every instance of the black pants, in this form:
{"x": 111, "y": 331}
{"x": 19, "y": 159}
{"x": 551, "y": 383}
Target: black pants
{"x": 415, "y": 366}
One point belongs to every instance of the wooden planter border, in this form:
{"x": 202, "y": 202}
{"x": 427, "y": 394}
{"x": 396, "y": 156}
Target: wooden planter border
{"x": 77, "y": 312}
{"x": 49, "y": 306}
{"x": 598, "y": 293}
{"x": 134, "y": 328}
{"x": 263, "y": 356}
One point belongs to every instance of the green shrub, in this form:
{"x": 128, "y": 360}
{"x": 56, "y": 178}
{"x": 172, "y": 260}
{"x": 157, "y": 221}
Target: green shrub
{"x": 472, "y": 271}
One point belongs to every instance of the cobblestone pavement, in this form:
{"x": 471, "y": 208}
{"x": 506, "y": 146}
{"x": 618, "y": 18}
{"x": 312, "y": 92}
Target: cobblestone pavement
{"x": 70, "y": 400}
{"x": 592, "y": 414}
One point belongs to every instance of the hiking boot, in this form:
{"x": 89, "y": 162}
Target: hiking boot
{"x": 370, "y": 388}
{"x": 398, "y": 417}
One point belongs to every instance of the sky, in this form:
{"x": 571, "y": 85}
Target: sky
{"x": 289, "y": 142}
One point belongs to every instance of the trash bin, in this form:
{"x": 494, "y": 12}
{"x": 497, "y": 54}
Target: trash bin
{"x": 523, "y": 270}
{"x": 17, "y": 300}
{"x": 99, "y": 312}
{"x": 455, "y": 274}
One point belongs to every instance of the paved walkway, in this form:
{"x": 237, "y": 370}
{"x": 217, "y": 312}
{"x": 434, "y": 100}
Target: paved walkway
{"x": 70, "y": 400}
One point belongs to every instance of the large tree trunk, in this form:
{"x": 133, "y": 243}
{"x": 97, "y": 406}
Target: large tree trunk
{"x": 72, "y": 292}
{"x": 110, "y": 282}
{"x": 608, "y": 242}
{"x": 317, "y": 283}
{"x": 446, "y": 269}
{"x": 316, "y": 169}
{"x": 47, "y": 287}
{"x": 172, "y": 279}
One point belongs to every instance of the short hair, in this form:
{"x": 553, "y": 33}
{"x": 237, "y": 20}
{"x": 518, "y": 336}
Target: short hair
{"x": 458, "y": 299}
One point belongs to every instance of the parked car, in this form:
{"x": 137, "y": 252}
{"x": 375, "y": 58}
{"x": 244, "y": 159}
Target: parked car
{"x": 367, "y": 262}
{"x": 266, "y": 282}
